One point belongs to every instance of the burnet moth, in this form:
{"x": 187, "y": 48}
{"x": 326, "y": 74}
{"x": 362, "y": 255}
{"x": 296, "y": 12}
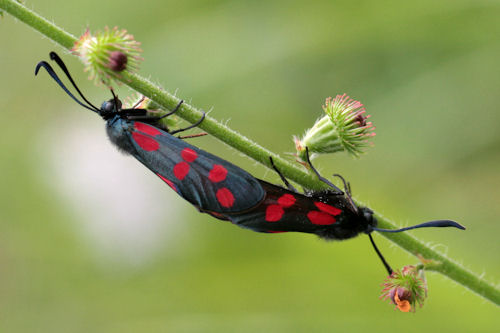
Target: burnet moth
{"x": 226, "y": 191}
{"x": 210, "y": 183}
{"x": 330, "y": 214}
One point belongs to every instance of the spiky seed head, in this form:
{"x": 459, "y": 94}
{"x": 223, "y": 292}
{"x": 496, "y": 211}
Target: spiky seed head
{"x": 107, "y": 53}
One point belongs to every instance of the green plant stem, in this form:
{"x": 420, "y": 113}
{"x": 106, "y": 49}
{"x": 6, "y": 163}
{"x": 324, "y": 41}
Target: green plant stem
{"x": 307, "y": 179}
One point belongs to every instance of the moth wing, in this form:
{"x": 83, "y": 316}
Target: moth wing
{"x": 205, "y": 180}
{"x": 283, "y": 210}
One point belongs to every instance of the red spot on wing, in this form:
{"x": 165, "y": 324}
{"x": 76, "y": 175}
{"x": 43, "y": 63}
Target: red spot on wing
{"x": 181, "y": 170}
{"x": 225, "y": 197}
{"x": 320, "y": 218}
{"x": 274, "y": 213}
{"x": 286, "y": 200}
{"x": 188, "y": 155}
{"x": 145, "y": 128}
{"x": 145, "y": 142}
{"x": 275, "y": 232}
{"x": 328, "y": 209}
{"x": 169, "y": 183}
{"x": 217, "y": 174}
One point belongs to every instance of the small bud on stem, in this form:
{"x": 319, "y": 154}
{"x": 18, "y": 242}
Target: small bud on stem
{"x": 406, "y": 288}
{"x": 343, "y": 128}
{"x": 108, "y": 53}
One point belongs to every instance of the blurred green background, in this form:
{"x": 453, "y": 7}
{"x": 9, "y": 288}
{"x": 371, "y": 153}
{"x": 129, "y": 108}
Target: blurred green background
{"x": 90, "y": 241}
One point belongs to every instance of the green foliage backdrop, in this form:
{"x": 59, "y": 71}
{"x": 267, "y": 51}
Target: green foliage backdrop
{"x": 72, "y": 260}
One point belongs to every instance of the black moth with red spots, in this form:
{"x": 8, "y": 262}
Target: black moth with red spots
{"x": 226, "y": 191}
{"x": 329, "y": 214}
{"x": 205, "y": 180}
{"x": 325, "y": 213}
{"x": 208, "y": 182}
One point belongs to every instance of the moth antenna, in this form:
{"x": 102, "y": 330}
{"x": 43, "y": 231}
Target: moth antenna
{"x": 62, "y": 65}
{"x": 430, "y": 224}
{"x": 54, "y": 76}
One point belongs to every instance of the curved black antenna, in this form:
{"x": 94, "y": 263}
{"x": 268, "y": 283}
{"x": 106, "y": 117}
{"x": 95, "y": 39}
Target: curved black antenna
{"x": 430, "y": 224}
{"x": 61, "y": 64}
{"x": 437, "y": 223}
{"x": 54, "y": 76}
{"x": 386, "y": 265}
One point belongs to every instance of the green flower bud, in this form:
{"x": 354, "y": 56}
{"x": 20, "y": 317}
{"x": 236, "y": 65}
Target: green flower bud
{"x": 343, "y": 128}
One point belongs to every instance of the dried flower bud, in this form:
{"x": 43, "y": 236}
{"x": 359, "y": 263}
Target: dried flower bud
{"x": 344, "y": 128}
{"x": 406, "y": 288}
{"x": 117, "y": 61}
{"x": 108, "y": 53}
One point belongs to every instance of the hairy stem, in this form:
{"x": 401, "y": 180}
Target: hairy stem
{"x": 292, "y": 171}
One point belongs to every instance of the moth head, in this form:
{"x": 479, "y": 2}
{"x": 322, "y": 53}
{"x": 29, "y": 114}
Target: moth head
{"x": 112, "y": 105}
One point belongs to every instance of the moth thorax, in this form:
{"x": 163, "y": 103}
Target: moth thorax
{"x": 118, "y": 133}
{"x": 368, "y": 217}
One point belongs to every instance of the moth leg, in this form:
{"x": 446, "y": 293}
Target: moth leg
{"x": 320, "y": 177}
{"x": 384, "y": 262}
{"x": 173, "y": 111}
{"x": 141, "y": 114}
{"x": 189, "y": 127}
{"x": 347, "y": 185}
{"x": 139, "y": 102}
{"x": 182, "y": 137}
{"x": 287, "y": 183}
{"x": 347, "y": 189}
